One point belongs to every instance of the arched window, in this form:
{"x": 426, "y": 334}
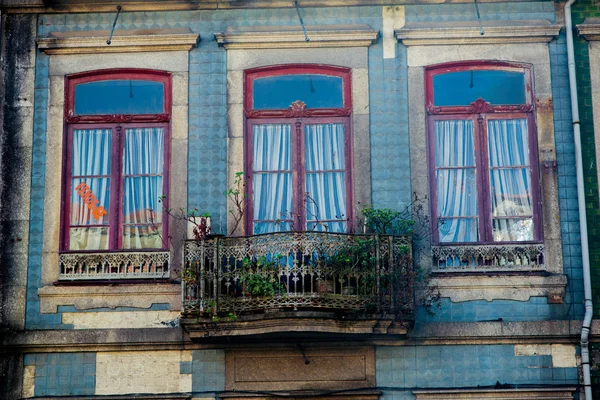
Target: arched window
{"x": 116, "y": 160}
{"x": 298, "y": 152}
{"x": 483, "y": 154}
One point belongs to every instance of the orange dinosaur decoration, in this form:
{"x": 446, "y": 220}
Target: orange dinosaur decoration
{"x": 90, "y": 199}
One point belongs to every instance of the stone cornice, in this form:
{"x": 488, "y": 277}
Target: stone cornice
{"x": 66, "y": 6}
{"x": 495, "y": 32}
{"x": 276, "y": 37}
{"x": 82, "y": 42}
{"x": 589, "y": 29}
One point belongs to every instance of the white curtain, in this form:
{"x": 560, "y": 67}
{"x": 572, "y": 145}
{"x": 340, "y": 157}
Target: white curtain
{"x": 456, "y": 176}
{"x": 272, "y": 178}
{"x": 90, "y": 166}
{"x": 325, "y": 177}
{"x": 142, "y": 187}
{"x": 510, "y": 184}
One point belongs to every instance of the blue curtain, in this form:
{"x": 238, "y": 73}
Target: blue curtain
{"x": 272, "y": 178}
{"x": 510, "y": 183}
{"x": 90, "y": 167}
{"x": 325, "y": 177}
{"x": 142, "y": 187}
{"x": 456, "y": 181}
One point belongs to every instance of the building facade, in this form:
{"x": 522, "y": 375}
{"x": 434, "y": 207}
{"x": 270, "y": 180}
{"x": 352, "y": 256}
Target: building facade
{"x": 298, "y": 128}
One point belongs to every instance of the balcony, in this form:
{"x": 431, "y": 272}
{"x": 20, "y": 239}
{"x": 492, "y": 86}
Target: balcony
{"x": 297, "y": 283}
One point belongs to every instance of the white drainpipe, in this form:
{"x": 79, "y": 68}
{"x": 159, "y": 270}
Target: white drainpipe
{"x": 587, "y": 285}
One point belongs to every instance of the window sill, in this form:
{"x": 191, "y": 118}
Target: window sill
{"x": 84, "y": 297}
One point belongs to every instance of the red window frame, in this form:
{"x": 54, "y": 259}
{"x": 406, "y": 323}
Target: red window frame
{"x": 298, "y": 115}
{"x": 118, "y": 123}
{"x": 480, "y": 112}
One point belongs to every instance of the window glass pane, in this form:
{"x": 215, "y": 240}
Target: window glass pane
{"x": 457, "y": 193}
{"x": 272, "y": 186}
{"x": 454, "y": 145}
{"x": 268, "y": 227}
{"x": 511, "y": 192}
{"x": 325, "y": 191}
{"x": 143, "y": 237}
{"x": 517, "y": 230}
{"x": 330, "y": 226}
{"x": 272, "y": 196}
{"x": 90, "y": 201}
{"x": 324, "y": 147}
{"x": 325, "y": 196}
{"x": 93, "y": 238}
{"x": 140, "y": 199}
{"x": 316, "y": 91}
{"x": 272, "y": 147}
{"x": 508, "y": 143}
{"x": 143, "y": 187}
{"x": 119, "y": 97}
{"x": 144, "y": 151}
{"x": 457, "y": 230}
{"x": 91, "y": 152}
{"x": 464, "y": 87}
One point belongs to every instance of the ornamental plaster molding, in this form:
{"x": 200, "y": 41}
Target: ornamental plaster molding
{"x": 148, "y": 40}
{"x": 500, "y": 287}
{"x": 589, "y": 29}
{"x": 141, "y": 296}
{"x": 278, "y": 37}
{"x": 496, "y": 32}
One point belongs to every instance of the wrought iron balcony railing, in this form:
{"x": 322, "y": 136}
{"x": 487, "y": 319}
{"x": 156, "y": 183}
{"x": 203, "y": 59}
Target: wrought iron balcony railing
{"x": 123, "y": 265}
{"x": 366, "y": 274}
{"x": 500, "y": 257}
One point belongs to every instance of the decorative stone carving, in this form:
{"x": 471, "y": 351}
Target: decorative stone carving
{"x": 479, "y": 106}
{"x": 298, "y": 110}
{"x": 94, "y": 119}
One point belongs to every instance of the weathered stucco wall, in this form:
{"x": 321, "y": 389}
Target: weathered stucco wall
{"x": 17, "y": 60}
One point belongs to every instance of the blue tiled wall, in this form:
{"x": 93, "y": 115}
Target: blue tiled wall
{"x": 536, "y": 309}
{"x": 488, "y": 11}
{"x": 423, "y": 367}
{"x": 388, "y": 125}
{"x": 33, "y": 318}
{"x": 208, "y": 370}
{"x": 565, "y": 158}
{"x": 63, "y": 374}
